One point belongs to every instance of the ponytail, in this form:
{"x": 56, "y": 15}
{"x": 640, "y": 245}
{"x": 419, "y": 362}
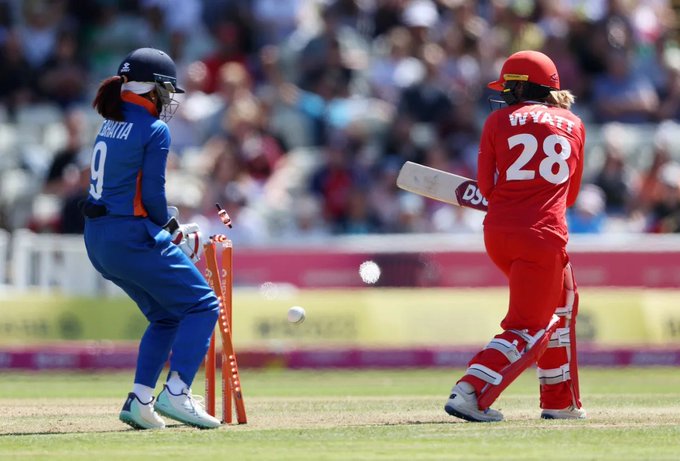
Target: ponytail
{"x": 562, "y": 98}
{"x": 107, "y": 102}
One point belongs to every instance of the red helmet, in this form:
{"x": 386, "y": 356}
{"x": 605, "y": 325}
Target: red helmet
{"x": 531, "y": 66}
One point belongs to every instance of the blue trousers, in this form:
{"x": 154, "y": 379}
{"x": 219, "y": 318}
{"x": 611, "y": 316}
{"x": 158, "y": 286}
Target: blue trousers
{"x": 138, "y": 256}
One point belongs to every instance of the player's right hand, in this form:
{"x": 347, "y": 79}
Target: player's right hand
{"x": 191, "y": 245}
{"x": 182, "y": 231}
{"x": 187, "y": 237}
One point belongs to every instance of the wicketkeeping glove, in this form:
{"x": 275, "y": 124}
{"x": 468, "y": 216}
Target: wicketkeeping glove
{"x": 187, "y": 237}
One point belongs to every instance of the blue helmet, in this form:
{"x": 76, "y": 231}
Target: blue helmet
{"x": 150, "y": 65}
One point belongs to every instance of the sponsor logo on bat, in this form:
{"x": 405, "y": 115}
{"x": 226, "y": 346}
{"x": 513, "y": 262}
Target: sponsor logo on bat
{"x": 468, "y": 195}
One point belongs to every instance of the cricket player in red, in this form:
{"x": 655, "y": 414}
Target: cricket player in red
{"x": 529, "y": 168}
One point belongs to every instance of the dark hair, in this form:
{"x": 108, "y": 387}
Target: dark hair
{"x": 107, "y": 102}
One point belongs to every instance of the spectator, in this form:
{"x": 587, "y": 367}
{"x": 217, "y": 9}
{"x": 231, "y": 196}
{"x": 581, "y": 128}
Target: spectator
{"x": 71, "y": 220}
{"x": 156, "y": 33}
{"x": 64, "y": 171}
{"x": 329, "y": 106}
{"x": 304, "y": 223}
{"x": 334, "y": 183}
{"x": 230, "y": 46}
{"x": 259, "y": 150}
{"x": 460, "y": 137}
{"x": 461, "y": 69}
{"x": 665, "y": 214}
{"x": 39, "y": 29}
{"x": 250, "y": 229}
{"x": 426, "y": 101}
{"x": 63, "y": 78}
{"x": 421, "y": 18}
{"x": 459, "y": 220}
{"x": 393, "y": 68}
{"x": 14, "y": 91}
{"x": 360, "y": 216}
{"x": 651, "y": 186}
{"x": 183, "y": 29}
{"x": 56, "y": 207}
{"x": 557, "y": 45}
{"x": 110, "y": 35}
{"x": 233, "y": 83}
{"x": 413, "y": 218}
{"x": 387, "y": 15}
{"x": 517, "y": 31}
{"x": 324, "y": 55}
{"x": 669, "y": 97}
{"x": 402, "y": 141}
{"x": 223, "y": 167}
{"x": 276, "y": 20}
{"x": 197, "y": 116}
{"x": 332, "y": 69}
{"x": 587, "y": 216}
{"x": 5, "y": 21}
{"x": 384, "y": 196}
{"x": 616, "y": 179}
{"x": 623, "y": 94}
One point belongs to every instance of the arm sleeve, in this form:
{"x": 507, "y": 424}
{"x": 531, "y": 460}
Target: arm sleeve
{"x": 153, "y": 173}
{"x": 486, "y": 160}
{"x": 575, "y": 181}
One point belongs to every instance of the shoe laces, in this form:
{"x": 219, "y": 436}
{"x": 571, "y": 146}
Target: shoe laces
{"x": 196, "y": 401}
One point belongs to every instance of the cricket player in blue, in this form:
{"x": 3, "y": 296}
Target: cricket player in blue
{"x": 133, "y": 240}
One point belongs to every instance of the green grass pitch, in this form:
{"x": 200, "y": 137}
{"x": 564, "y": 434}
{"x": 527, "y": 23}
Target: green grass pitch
{"x": 634, "y": 414}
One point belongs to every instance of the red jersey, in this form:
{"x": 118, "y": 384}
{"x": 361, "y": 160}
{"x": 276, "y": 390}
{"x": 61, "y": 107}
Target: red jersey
{"x": 529, "y": 168}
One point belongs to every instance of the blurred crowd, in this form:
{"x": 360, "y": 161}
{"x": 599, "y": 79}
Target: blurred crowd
{"x": 299, "y": 113}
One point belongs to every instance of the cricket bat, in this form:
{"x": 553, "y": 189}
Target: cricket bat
{"x": 441, "y": 185}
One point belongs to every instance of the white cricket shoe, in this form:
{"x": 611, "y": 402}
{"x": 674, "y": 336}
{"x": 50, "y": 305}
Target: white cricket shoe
{"x": 571, "y": 412}
{"x": 185, "y": 409}
{"x": 140, "y": 415}
{"x": 463, "y": 404}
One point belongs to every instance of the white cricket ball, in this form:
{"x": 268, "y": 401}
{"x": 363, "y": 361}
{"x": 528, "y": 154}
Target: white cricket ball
{"x": 369, "y": 272}
{"x": 296, "y": 314}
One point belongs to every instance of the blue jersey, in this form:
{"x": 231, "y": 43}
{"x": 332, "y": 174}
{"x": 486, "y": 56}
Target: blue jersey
{"x": 124, "y": 237}
{"x": 127, "y": 170}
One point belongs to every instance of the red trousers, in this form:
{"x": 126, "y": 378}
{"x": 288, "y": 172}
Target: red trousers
{"x": 535, "y": 271}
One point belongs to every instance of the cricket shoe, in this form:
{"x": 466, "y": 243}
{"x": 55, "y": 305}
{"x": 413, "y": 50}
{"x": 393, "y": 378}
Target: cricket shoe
{"x": 463, "y": 404}
{"x": 140, "y": 415}
{"x": 185, "y": 408}
{"x": 571, "y": 412}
